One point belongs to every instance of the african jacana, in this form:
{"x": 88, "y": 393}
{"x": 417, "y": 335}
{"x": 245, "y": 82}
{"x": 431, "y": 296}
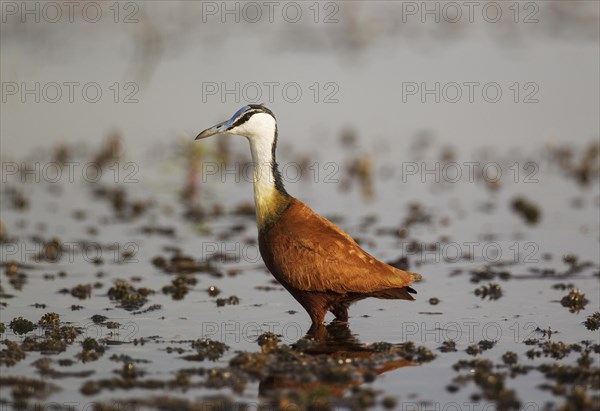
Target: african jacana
{"x": 318, "y": 263}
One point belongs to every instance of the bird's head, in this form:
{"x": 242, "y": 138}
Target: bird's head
{"x": 252, "y": 121}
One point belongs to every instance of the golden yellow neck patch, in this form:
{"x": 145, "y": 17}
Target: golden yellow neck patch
{"x": 269, "y": 207}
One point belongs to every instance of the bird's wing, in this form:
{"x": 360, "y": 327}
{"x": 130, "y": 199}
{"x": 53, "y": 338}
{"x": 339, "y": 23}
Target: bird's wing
{"x": 312, "y": 254}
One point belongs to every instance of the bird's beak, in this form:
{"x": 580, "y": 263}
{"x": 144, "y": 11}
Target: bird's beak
{"x": 219, "y": 128}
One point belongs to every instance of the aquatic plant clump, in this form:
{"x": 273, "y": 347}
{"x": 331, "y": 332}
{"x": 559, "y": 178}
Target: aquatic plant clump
{"x": 91, "y": 350}
{"x": 529, "y": 211}
{"x": 12, "y": 354}
{"x": 210, "y": 349}
{"x": 180, "y": 286}
{"x": 575, "y": 301}
{"x": 129, "y": 297}
{"x": 492, "y": 291}
{"x": 592, "y": 323}
{"x": 49, "y": 320}
{"x": 21, "y": 326}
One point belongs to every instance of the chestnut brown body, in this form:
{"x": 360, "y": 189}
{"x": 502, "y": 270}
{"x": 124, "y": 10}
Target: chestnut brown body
{"x": 323, "y": 267}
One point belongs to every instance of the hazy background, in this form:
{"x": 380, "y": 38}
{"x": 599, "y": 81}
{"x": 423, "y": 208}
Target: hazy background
{"x": 159, "y": 60}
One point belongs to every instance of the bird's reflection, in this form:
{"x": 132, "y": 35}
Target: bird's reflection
{"x": 336, "y": 360}
{"x": 331, "y": 338}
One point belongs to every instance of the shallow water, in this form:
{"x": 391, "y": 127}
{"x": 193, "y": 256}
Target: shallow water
{"x": 528, "y": 304}
{"x": 362, "y": 164}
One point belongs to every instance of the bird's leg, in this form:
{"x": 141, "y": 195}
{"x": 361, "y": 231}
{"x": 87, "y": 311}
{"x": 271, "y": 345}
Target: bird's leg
{"x": 315, "y": 306}
{"x": 317, "y": 316}
{"x": 317, "y": 331}
{"x": 340, "y": 311}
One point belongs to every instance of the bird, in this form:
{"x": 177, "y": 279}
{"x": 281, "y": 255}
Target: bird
{"x": 320, "y": 265}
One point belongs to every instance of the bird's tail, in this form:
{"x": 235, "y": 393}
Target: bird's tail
{"x": 400, "y": 293}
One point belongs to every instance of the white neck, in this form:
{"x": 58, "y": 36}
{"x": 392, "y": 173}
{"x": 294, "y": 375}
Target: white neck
{"x": 261, "y": 131}
{"x": 264, "y": 180}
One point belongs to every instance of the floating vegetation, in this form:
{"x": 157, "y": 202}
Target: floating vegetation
{"x": 575, "y": 301}
{"x": 573, "y": 381}
{"x": 257, "y": 357}
{"x": 82, "y": 291}
{"x": 24, "y": 389}
{"x": 165, "y": 231}
{"x": 99, "y": 319}
{"x": 268, "y": 342}
{"x": 480, "y": 347}
{"x": 180, "y": 264}
{"x": 584, "y": 171}
{"x": 153, "y": 307}
{"x": 12, "y": 354}
{"x": 557, "y": 350}
{"x": 55, "y": 338}
{"x": 44, "y": 367}
{"x": 208, "y": 349}
{"x": 592, "y": 323}
{"x": 91, "y": 350}
{"x": 487, "y": 273}
{"x": 492, "y": 384}
{"x": 17, "y": 279}
{"x": 417, "y": 215}
{"x": 492, "y": 291}
{"x": 409, "y": 351}
{"x": 180, "y": 286}
{"x": 21, "y": 326}
{"x": 213, "y": 291}
{"x": 280, "y": 367}
{"x": 66, "y": 333}
{"x": 49, "y": 320}
{"x": 112, "y": 325}
{"x": 17, "y": 198}
{"x": 122, "y": 206}
{"x": 129, "y": 297}
{"x": 563, "y": 286}
{"x": 129, "y": 378}
{"x": 233, "y": 300}
{"x": 448, "y": 346}
{"x": 529, "y": 211}
{"x": 169, "y": 402}
{"x": 510, "y": 358}
{"x": 52, "y": 251}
